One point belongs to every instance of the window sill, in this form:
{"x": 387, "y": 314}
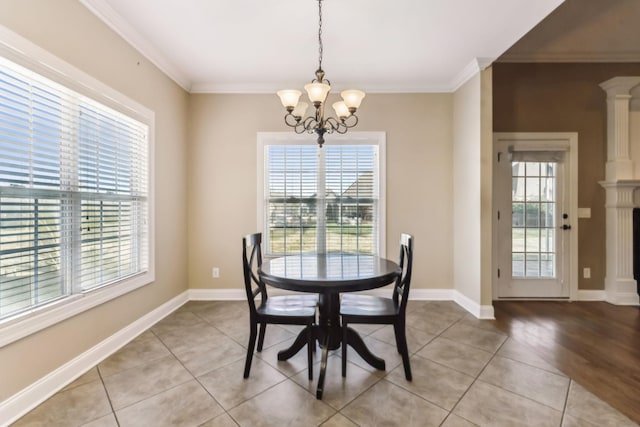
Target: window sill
{"x": 28, "y": 323}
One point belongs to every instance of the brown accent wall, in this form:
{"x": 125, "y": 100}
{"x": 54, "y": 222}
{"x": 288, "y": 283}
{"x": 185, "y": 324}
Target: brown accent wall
{"x": 545, "y": 97}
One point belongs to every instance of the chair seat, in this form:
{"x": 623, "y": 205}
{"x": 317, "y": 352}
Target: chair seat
{"x": 306, "y": 300}
{"x": 282, "y": 309}
{"x": 367, "y": 305}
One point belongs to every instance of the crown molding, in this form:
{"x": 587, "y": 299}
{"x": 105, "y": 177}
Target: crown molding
{"x": 564, "y": 57}
{"x": 474, "y": 67}
{"x": 113, "y": 20}
{"x": 104, "y": 12}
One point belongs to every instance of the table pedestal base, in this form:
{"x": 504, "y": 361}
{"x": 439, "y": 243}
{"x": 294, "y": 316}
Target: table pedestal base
{"x": 329, "y": 335}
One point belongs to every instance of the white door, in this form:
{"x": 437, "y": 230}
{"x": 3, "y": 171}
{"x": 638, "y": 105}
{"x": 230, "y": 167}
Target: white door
{"x": 533, "y": 218}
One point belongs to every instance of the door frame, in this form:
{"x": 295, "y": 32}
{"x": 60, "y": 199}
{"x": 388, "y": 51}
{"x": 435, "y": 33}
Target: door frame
{"x": 547, "y": 141}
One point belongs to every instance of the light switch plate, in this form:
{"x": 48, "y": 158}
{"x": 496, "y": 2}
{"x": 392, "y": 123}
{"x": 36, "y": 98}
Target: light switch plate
{"x": 584, "y": 212}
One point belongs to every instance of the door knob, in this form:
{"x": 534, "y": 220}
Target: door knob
{"x": 566, "y": 227}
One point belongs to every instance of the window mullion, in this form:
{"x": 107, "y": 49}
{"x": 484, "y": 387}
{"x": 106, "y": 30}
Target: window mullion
{"x": 71, "y": 228}
{"x": 321, "y": 205}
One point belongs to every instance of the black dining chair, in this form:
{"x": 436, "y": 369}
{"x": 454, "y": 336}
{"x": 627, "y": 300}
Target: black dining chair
{"x": 358, "y": 308}
{"x": 281, "y": 310}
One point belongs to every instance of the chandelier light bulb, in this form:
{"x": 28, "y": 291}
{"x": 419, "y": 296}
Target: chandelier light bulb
{"x": 352, "y": 98}
{"x": 300, "y": 110}
{"x": 341, "y": 109}
{"x": 317, "y": 91}
{"x": 289, "y": 97}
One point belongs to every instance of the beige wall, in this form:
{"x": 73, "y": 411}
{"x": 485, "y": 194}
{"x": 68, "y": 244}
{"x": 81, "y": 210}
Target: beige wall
{"x": 486, "y": 186}
{"x": 565, "y": 98}
{"x": 222, "y": 179}
{"x": 68, "y": 30}
{"x": 466, "y": 189}
{"x": 472, "y": 139}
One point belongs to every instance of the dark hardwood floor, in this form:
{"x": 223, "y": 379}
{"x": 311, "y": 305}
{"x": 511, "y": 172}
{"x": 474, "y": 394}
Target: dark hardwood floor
{"x": 595, "y": 343}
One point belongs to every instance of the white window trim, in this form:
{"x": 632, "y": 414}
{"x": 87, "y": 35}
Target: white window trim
{"x": 23, "y": 52}
{"x": 351, "y": 138}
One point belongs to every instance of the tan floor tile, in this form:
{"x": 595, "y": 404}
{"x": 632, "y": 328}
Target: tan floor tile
{"x": 432, "y": 322}
{"x": 189, "y": 335}
{"x": 185, "y": 405}
{"x": 76, "y": 406}
{"x": 380, "y": 349}
{"x": 488, "y": 405}
{"x": 416, "y": 339}
{"x": 292, "y": 366}
{"x": 475, "y": 337}
{"x": 434, "y": 382}
{"x": 456, "y": 421}
{"x": 131, "y": 386}
{"x": 217, "y": 312}
{"x": 569, "y": 421}
{"x": 87, "y": 377}
{"x": 515, "y": 350}
{"x": 149, "y": 386}
{"x": 223, "y": 420}
{"x": 286, "y": 404}
{"x": 339, "y": 420}
{"x": 460, "y": 357}
{"x": 386, "y": 404}
{"x": 205, "y": 356}
{"x": 535, "y": 383}
{"x": 471, "y": 320}
{"x": 364, "y": 329}
{"x": 230, "y": 389}
{"x": 176, "y": 321}
{"x": 145, "y": 349}
{"x": 583, "y": 405}
{"x": 106, "y": 421}
{"x": 338, "y": 391}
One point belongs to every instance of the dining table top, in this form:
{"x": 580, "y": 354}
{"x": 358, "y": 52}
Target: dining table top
{"x": 333, "y": 272}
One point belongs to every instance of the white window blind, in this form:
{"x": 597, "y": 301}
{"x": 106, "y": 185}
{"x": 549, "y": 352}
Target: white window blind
{"x": 73, "y": 192}
{"x": 321, "y": 199}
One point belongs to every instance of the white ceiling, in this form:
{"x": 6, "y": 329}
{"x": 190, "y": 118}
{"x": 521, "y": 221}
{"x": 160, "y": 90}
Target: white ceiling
{"x": 260, "y": 46}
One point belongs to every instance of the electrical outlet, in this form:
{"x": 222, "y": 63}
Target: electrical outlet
{"x": 215, "y": 272}
{"x": 586, "y": 273}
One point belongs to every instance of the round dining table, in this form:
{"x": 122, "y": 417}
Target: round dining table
{"x": 328, "y": 275}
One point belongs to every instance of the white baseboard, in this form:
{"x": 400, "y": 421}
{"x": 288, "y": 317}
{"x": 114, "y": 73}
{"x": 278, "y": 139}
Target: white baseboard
{"x": 586, "y": 295}
{"x": 479, "y": 311}
{"x": 27, "y": 399}
{"x": 622, "y": 298}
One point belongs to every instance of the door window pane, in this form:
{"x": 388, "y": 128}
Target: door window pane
{"x": 533, "y": 207}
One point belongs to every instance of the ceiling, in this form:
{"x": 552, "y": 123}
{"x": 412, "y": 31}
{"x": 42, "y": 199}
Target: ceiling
{"x": 583, "y": 31}
{"x": 260, "y": 46}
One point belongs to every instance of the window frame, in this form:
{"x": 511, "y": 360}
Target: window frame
{"x": 352, "y": 138}
{"x": 23, "y": 52}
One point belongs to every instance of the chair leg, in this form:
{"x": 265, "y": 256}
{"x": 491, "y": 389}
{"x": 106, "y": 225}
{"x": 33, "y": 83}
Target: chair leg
{"x": 310, "y": 350}
{"x": 344, "y": 348}
{"x": 401, "y": 339}
{"x": 263, "y": 328}
{"x": 250, "y": 347}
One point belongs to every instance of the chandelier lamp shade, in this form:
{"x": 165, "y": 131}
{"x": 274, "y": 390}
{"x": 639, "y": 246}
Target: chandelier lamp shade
{"x": 318, "y": 92}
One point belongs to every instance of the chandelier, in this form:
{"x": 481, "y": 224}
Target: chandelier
{"x": 318, "y": 91}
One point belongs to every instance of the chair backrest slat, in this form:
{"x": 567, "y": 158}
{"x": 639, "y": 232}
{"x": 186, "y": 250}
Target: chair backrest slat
{"x": 251, "y": 261}
{"x": 403, "y": 282}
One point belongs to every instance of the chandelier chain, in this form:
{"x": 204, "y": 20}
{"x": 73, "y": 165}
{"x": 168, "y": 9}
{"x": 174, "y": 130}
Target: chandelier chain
{"x": 320, "y": 34}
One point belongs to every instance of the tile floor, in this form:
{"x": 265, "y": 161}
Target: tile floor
{"x": 187, "y": 371}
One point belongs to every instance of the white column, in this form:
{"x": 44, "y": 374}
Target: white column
{"x": 620, "y": 286}
{"x": 619, "y": 164}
